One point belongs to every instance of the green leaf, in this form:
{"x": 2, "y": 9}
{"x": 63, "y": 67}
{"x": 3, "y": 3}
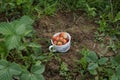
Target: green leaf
{"x": 28, "y": 32}
{"x": 3, "y": 50}
{"x": 41, "y": 57}
{"x": 31, "y": 76}
{"x": 19, "y": 2}
{"x": 5, "y": 29}
{"x": 113, "y": 62}
{"x": 5, "y": 75}
{"x": 117, "y": 58}
{"x": 25, "y": 75}
{"x": 118, "y": 70}
{"x": 3, "y": 63}
{"x": 36, "y": 48}
{"x": 12, "y": 42}
{"x": 35, "y": 73}
{"x": 8, "y": 70}
{"x": 37, "y": 69}
{"x": 15, "y": 69}
{"x": 92, "y": 66}
{"x": 38, "y": 63}
{"x": 117, "y": 17}
{"x": 93, "y": 72}
{"x": 102, "y": 61}
{"x": 14, "y": 31}
{"x": 20, "y": 28}
{"x": 27, "y": 20}
{"x": 92, "y": 57}
{"x": 108, "y": 71}
{"x": 34, "y": 45}
{"x": 83, "y": 62}
{"x": 37, "y": 77}
{"x": 84, "y": 52}
{"x": 22, "y": 47}
{"x": 23, "y": 26}
{"x": 114, "y": 77}
{"x": 64, "y": 67}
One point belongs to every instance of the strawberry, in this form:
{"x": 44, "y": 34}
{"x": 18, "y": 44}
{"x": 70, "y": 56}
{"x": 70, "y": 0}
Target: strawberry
{"x": 55, "y": 38}
{"x": 63, "y": 34}
{"x": 61, "y": 38}
{"x": 55, "y": 42}
{"x": 59, "y": 43}
{"x": 64, "y": 41}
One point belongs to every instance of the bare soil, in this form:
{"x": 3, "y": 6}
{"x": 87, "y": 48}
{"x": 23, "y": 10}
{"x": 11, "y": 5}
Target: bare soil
{"x": 82, "y": 31}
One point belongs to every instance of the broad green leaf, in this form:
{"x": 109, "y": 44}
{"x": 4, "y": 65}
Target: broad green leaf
{"x": 92, "y": 57}
{"x": 27, "y": 20}
{"x": 108, "y": 71}
{"x": 37, "y": 69}
{"x": 28, "y": 32}
{"x": 15, "y": 69}
{"x": 102, "y": 60}
{"x": 36, "y": 48}
{"x": 114, "y": 77}
{"x": 5, "y": 75}
{"x": 33, "y": 77}
{"x": 117, "y": 58}
{"x": 12, "y": 42}
{"x": 8, "y": 70}
{"x": 37, "y": 77}
{"x": 38, "y": 63}
{"x": 41, "y": 57}
{"x": 14, "y": 24}
{"x": 117, "y": 17}
{"x": 19, "y": 2}
{"x": 15, "y": 30}
{"x": 92, "y": 66}
{"x": 113, "y": 62}
{"x": 118, "y": 70}
{"x": 20, "y": 28}
{"x": 84, "y": 52}
{"x": 30, "y": 76}
{"x": 3, "y": 63}
{"x": 5, "y": 29}
{"x": 93, "y": 72}
{"x": 22, "y": 47}
{"x": 34, "y": 74}
{"x": 25, "y": 75}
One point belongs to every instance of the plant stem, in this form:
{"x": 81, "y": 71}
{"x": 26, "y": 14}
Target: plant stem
{"x": 111, "y": 5}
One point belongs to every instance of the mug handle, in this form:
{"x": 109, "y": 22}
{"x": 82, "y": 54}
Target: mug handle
{"x": 52, "y": 48}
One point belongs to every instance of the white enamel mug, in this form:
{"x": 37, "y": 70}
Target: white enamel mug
{"x": 62, "y": 48}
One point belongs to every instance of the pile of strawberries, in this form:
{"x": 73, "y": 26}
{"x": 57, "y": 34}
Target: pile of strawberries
{"x": 60, "y": 39}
